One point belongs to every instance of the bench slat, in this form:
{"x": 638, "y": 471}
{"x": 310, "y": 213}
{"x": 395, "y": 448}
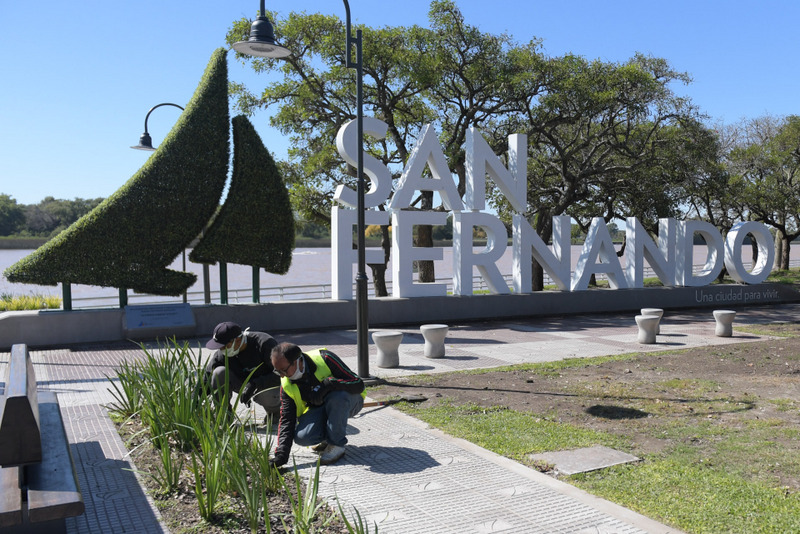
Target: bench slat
{"x": 10, "y": 497}
{"x": 53, "y": 490}
{"x": 20, "y": 438}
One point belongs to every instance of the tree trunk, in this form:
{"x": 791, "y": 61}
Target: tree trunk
{"x": 425, "y": 239}
{"x": 425, "y": 267}
{"x": 379, "y": 279}
{"x": 754, "y": 250}
{"x": 544, "y": 227}
{"x": 724, "y": 271}
{"x": 778, "y": 251}
{"x": 379, "y": 269}
{"x": 537, "y": 276}
{"x": 787, "y": 243}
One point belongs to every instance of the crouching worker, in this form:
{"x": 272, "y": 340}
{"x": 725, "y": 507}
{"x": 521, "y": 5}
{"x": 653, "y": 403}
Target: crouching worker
{"x": 240, "y": 353}
{"x": 318, "y": 394}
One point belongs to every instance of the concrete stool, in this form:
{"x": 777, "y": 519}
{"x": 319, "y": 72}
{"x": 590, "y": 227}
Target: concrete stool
{"x": 387, "y": 341}
{"x": 655, "y": 311}
{"x": 724, "y": 320}
{"x": 434, "y": 335}
{"x": 647, "y": 328}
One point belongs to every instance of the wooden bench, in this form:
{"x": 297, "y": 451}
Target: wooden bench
{"x": 38, "y": 484}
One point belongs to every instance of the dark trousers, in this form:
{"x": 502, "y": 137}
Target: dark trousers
{"x": 268, "y": 396}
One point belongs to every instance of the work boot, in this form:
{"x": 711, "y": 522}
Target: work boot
{"x": 320, "y": 447}
{"x": 331, "y": 455}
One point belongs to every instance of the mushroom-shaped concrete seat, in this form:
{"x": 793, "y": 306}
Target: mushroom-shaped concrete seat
{"x": 434, "y": 335}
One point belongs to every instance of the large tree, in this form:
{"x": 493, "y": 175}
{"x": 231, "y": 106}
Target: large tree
{"x": 315, "y": 96}
{"x": 709, "y": 196}
{"x": 600, "y": 135}
{"x": 472, "y": 80}
{"x": 603, "y": 141}
{"x": 51, "y": 216}
{"x": 450, "y": 75}
{"x": 12, "y": 216}
{"x": 765, "y": 173}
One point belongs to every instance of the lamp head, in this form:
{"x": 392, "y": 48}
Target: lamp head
{"x": 145, "y": 142}
{"x": 261, "y": 42}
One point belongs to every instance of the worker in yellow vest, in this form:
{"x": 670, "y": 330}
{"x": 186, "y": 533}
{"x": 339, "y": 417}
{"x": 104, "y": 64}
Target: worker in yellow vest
{"x": 318, "y": 394}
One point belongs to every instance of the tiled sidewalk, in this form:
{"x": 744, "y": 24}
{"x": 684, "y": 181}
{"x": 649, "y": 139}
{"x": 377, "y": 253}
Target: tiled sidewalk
{"x": 397, "y": 472}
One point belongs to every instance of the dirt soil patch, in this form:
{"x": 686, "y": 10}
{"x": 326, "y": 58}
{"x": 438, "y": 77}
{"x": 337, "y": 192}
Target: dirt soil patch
{"x": 179, "y": 510}
{"x": 726, "y": 383}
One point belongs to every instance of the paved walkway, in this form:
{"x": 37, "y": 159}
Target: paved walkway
{"x": 398, "y": 472}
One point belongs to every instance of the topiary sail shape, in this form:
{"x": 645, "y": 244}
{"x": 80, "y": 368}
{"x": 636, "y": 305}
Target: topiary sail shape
{"x": 255, "y": 226}
{"x": 129, "y": 239}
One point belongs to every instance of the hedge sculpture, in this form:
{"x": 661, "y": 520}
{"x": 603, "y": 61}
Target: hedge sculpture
{"x": 129, "y": 239}
{"x": 255, "y": 226}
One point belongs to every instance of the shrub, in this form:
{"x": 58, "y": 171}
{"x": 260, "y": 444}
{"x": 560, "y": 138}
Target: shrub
{"x": 10, "y": 302}
{"x": 255, "y": 225}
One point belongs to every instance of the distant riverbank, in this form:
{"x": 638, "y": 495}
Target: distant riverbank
{"x": 13, "y": 243}
{"x": 18, "y": 243}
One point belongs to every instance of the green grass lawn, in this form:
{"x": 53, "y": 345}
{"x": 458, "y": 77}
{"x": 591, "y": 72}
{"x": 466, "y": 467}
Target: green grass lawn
{"x": 733, "y": 465}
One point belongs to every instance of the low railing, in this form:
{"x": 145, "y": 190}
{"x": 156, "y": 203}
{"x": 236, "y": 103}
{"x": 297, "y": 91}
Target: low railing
{"x": 299, "y": 292}
{"x": 235, "y": 296}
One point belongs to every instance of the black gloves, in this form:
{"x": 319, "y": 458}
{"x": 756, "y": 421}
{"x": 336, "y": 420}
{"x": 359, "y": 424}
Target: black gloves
{"x": 278, "y": 461}
{"x": 331, "y": 384}
{"x": 317, "y": 395}
{"x": 248, "y": 391}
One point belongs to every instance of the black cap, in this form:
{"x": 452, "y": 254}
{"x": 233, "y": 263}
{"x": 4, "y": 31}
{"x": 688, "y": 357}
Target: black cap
{"x": 224, "y": 333}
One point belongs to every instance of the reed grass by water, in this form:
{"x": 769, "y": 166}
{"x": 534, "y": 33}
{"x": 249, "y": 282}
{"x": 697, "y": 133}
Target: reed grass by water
{"x": 9, "y": 302}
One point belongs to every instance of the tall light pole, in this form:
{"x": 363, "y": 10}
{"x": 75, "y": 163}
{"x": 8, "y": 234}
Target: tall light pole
{"x": 262, "y": 43}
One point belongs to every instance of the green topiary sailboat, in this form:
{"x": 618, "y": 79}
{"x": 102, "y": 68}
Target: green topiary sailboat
{"x": 129, "y": 239}
{"x": 255, "y": 226}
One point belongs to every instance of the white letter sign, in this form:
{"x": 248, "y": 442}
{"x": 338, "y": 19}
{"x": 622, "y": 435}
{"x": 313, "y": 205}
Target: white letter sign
{"x": 380, "y": 177}
{"x": 427, "y": 151}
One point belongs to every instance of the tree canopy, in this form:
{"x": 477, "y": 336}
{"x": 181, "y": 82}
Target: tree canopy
{"x": 764, "y": 162}
{"x": 12, "y": 216}
{"x": 604, "y": 139}
{"x": 47, "y": 218}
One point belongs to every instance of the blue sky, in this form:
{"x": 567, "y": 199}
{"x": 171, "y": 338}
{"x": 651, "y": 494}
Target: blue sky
{"x": 79, "y": 77}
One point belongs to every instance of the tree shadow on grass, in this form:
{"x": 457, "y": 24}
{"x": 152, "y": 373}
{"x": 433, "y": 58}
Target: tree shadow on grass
{"x": 607, "y": 411}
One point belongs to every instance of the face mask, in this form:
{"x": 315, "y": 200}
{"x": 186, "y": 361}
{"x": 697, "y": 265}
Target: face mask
{"x": 298, "y": 373}
{"x": 236, "y": 348}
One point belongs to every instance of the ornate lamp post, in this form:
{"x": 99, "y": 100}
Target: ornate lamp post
{"x": 262, "y": 43}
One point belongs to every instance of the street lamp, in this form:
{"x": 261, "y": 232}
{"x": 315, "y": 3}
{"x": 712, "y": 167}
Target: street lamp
{"x": 145, "y": 142}
{"x": 262, "y": 43}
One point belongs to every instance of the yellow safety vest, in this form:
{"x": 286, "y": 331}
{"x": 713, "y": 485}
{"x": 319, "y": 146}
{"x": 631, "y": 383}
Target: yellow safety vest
{"x": 322, "y": 372}
{"x": 291, "y": 389}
